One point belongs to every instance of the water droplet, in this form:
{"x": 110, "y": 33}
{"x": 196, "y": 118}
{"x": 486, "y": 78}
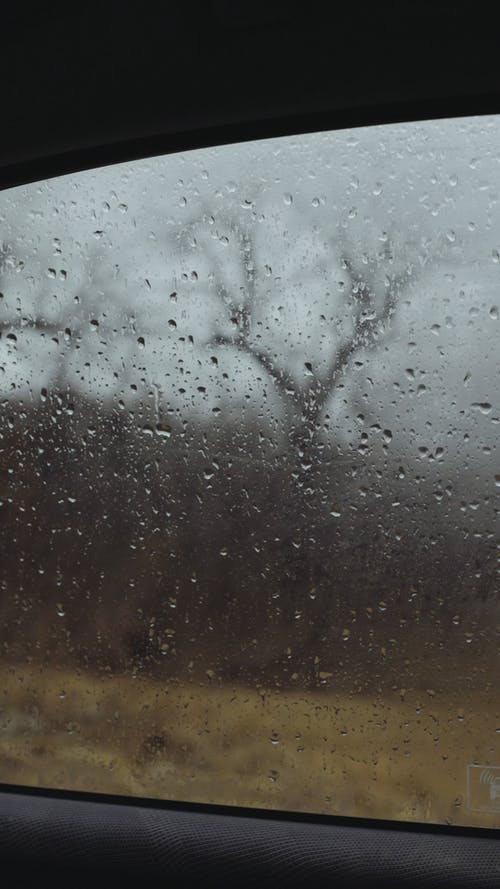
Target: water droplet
{"x": 494, "y": 313}
{"x": 483, "y": 406}
{"x": 288, "y": 199}
{"x": 163, "y": 431}
{"x": 172, "y": 324}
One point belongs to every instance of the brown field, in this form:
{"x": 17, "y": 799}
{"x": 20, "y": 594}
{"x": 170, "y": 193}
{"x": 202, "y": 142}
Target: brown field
{"x": 402, "y": 756}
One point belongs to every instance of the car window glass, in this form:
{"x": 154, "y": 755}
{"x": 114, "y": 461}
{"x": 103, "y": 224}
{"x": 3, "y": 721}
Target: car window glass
{"x": 250, "y": 477}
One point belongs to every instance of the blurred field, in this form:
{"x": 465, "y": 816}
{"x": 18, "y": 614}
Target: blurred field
{"x": 403, "y": 757}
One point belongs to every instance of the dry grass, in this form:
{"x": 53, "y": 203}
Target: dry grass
{"x": 401, "y": 757}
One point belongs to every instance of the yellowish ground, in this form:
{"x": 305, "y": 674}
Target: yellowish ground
{"x": 402, "y": 757}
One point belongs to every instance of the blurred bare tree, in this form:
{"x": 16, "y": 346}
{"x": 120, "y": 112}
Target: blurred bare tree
{"x": 291, "y": 497}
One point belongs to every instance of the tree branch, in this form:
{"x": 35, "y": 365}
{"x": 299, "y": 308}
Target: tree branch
{"x": 366, "y": 327}
{"x": 282, "y": 379}
{"x": 243, "y": 313}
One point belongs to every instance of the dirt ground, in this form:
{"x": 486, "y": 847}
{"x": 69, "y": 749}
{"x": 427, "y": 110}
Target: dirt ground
{"x": 405, "y": 757}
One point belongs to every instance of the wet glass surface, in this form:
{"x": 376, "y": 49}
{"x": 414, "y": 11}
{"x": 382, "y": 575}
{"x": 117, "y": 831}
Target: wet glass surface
{"x": 250, "y": 478}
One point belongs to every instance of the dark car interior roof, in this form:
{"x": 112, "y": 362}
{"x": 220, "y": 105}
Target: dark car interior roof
{"x": 91, "y": 83}
{"x": 95, "y": 83}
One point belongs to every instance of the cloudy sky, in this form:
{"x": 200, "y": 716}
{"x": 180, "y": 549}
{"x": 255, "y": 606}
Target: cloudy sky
{"x": 121, "y": 282}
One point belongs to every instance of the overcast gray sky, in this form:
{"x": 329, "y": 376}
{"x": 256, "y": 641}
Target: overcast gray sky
{"x": 121, "y": 266}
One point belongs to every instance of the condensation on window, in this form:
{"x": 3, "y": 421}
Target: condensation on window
{"x": 249, "y": 475}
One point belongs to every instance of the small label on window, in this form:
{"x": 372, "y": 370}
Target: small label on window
{"x": 483, "y": 788}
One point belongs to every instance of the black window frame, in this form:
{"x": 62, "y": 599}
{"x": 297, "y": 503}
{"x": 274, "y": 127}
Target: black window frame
{"x": 437, "y": 61}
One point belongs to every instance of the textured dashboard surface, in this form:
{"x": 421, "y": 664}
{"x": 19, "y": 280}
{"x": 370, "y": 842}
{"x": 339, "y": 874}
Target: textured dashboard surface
{"x": 86, "y": 842}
